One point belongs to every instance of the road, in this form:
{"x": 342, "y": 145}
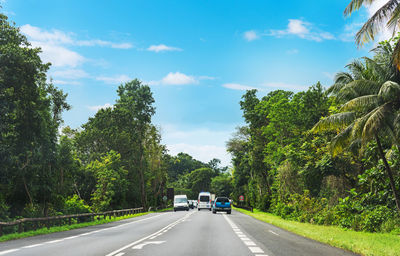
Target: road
{"x": 173, "y": 233}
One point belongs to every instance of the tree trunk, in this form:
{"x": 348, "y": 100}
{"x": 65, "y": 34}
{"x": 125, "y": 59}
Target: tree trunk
{"x": 27, "y": 191}
{"x": 389, "y": 173}
{"x": 142, "y": 183}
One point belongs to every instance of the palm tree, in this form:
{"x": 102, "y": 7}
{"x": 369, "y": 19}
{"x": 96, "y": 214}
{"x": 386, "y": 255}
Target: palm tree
{"x": 388, "y": 14}
{"x": 370, "y": 111}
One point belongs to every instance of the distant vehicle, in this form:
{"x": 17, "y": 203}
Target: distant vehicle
{"x": 181, "y": 203}
{"x": 222, "y": 204}
{"x": 191, "y": 204}
{"x": 204, "y": 201}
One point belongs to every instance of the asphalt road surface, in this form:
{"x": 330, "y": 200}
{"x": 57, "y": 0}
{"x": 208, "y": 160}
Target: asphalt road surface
{"x": 174, "y": 233}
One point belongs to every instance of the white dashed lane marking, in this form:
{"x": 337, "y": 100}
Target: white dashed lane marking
{"x": 273, "y": 232}
{"x": 247, "y": 241}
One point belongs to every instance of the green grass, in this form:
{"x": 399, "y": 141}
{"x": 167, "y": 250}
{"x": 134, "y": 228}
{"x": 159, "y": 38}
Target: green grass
{"x": 363, "y": 243}
{"x": 43, "y": 231}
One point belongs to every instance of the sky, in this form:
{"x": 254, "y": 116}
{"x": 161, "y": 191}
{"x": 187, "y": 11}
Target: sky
{"x": 198, "y": 57}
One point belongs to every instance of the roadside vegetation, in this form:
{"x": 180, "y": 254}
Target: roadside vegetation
{"x": 363, "y": 243}
{"x": 327, "y": 157}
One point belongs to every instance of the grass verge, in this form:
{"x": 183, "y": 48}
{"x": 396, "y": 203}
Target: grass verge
{"x": 43, "y": 231}
{"x": 376, "y": 244}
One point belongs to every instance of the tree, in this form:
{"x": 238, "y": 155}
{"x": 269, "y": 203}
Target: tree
{"x": 370, "y": 111}
{"x": 221, "y": 185}
{"x": 30, "y": 112}
{"x": 200, "y": 180}
{"x": 110, "y": 182}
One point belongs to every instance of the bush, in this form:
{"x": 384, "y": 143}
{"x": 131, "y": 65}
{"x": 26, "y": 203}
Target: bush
{"x": 374, "y": 219}
{"x": 75, "y": 205}
{"x": 4, "y": 214}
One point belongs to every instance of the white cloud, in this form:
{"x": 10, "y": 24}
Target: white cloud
{"x": 162, "y": 48}
{"x": 62, "y": 82}
{"x": 240, "y": 87}
{"x": 303, "y": 30}
{"x": 251, "y": 35}
{"x": 176, "y": 78}
{"x": 54, "y": 45}
{"x": 179, "y": 78}
{"x": 103, "y": 43}
{"x": 70, "y": 73}
{"x": 59, "y": 37}
{"x": 97, "y": 108}
{"x": 114, "y": 79}
{"x": 59, "y": 56}
{"x": 298, "y": 27}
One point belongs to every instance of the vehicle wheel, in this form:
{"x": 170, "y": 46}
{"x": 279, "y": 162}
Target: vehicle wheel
{"x": 187, "y": 210}
{"x": 228, "y": 212}
{"x": 214, "y": 212}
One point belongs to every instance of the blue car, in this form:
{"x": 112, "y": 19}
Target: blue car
{"x": 222, "y": 204}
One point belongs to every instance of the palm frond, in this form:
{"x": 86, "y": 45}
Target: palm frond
{"x": 358, "y": 88}
{"x": 394, "y": 19}
{"x": 341, "y": 140}
{"x": 354, "y": 5}
{"x": 357, "y": 69}
{"x": 363, "y": 102}
{"x": 372, "y": 26}
{"x": 390, "y": 91}
{"x": 336, "y": 121}
{"x": 359, "y": 124}
{"x": 376, "y": 121}
{"x": 378, "y": 71}
{"x": 343, "y": 78}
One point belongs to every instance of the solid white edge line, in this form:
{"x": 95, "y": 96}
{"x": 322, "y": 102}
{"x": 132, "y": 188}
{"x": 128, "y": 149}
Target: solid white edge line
{"x": 144, "y": 238}
{"x": 31, "y": 246}
{"x": 8, "y": 251}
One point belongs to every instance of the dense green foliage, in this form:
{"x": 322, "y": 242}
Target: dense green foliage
{"x": 325, "y": 156}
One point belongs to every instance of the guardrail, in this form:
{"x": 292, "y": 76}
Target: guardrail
{"x": 249, "y": 208}
{"x": 35, "y": 223}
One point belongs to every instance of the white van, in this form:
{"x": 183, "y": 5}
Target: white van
{"x": 181, "y": 203}
{"x": 204, "y": 201}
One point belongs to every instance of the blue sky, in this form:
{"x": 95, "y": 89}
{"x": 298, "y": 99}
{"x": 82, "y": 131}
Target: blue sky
{"x": 198, "y": 57}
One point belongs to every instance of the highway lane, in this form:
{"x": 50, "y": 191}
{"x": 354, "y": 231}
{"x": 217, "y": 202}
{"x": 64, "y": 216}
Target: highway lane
{"x": 178, "y": 233}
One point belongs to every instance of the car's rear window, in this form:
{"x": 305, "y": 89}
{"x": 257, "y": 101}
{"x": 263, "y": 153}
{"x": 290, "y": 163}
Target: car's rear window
{"x": 222, "y": 200}
{"x": 204, "y": 198}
